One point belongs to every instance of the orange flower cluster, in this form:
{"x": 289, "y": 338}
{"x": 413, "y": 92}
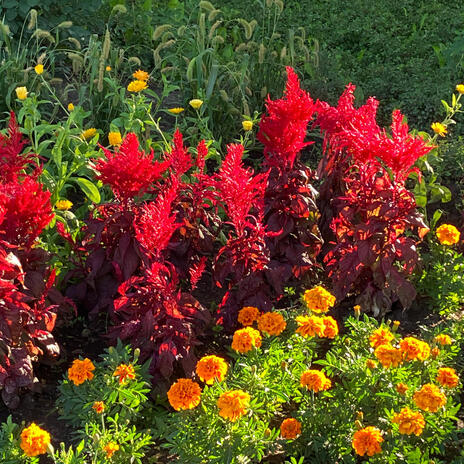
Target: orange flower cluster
{"x": 309, "y": 326}
{"x": 380, "y": 336}
{"x": 34, "y": 440}
{"x": 371, "y": 364}
{"x": 367, "y": 441}
{"x": 315, "y": 380}
{"x": 184, "y": 394}
{"x": 272, "y": 323}
{"x": 248, "y": 315}
{"x": 447, "y": 377}
{"x": 443, "y": 339}
{"x": 80, "y": 371}
{"x": 233, "y": 404}
{"x": 246, "y": 339}
{"x": 110, "y": 448}
{"x": 401, "y": 388}
{"x": 409, "y": 422}
{"x": 124, "y": 371}
{"x": 429, "y": 398}
{"x": 140, "y": 75}
{"x": 210, "y": 368}
{"x": 98, "y": 406}
{"x": 447, "y": 234}
{"x": 388, "y": 356}
{"x": 318, "y": 299}
{"x": 290, "y": 428}
{"x": 414, "y": 349}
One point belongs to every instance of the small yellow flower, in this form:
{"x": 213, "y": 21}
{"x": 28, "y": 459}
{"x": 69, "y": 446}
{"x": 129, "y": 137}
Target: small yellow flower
{"x": 137, "y": 86}
{"x": 176, "y": 110}
{"x": 447, "y": 234}
{"x": 89, "y": 133}
{"x": 108, "y": 68}
{"x": 114, "y": 138}
{"x": 460, "y": 88}
{"x": 39, "y": 69}
{"x": 63, "y": 205}
{"x": 21, "y": 92}
{"x": 196, "y": 103}
{"x": 247, "y": 125}
{"x": 439, "y": 128}
{"x": 70, "y": 107}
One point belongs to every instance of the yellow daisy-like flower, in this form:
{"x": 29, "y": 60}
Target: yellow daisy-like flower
{"x": 247, "y": 315}
{"x": 34, "y": 440}
{"x": 21, "y": 92}
{"x": 290, "y": 428}
{"x": 39, "y": 69}
{"x": 443, "y": 339}
{"x": 315, "y": 380}
{"x": 367, "y": 441}
{"x": 114, "y": 138}
{"x": 439, "y": 128}
{"x": 176, "y": 110}
{"x": 137, "y": 86}
{"x": 233, "y": 404}
{"x": 247, "y": 125}
{"x": 447, "y": 234}
{"x": 318, "y": 299}
{"x": 89, "y": 133}
{"x": 460, "y": 88}
{"x": 246, "y": 339}
{"x": 110, "y": 448}
{"x": 70, "y": 107}
{"x": 380, "y": 336}
{"x": 140, "y": 75}
{"x": 80, "y": 371}
{"x": 409, "y": 421}
{"x": 272, "y": 323}
{"x": 210, "y": 368}
{"x": 184, "y": 394}
{"x": 196, "y": 103}
{"x": 429, "y": 398}
{"x": 63, "y": 205}
{"x": 447, "y": 377}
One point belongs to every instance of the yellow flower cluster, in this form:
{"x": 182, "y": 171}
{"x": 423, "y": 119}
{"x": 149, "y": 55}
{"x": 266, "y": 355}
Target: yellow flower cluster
{"x": 137, "y": 86}
{"x": 447, "y": 234}
{"x": 89, "y": 133}
{"x": 63, "y": 205}
{"x": 114, "y": 138}
{"x": 34, "y": 440}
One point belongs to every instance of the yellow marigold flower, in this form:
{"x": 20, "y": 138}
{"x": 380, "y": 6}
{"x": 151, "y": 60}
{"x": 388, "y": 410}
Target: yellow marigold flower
{"x": 380, "y": 336}
{"x": 315, "y": 380}
{"x": 409, "y": 421}
{"x": 114, "y": 138}
{"x": 247, "y": 125}
{"x": 98, "y": 406}
{"x": 413, "y": 349}
{"x": 140, "y": 75}
{"x": 429, "y": 398}
{"x": 401, "y": 388}
{"x": 63, "y": 205}
{"x": 460, "y": 88}
{"x": 388, "y": 356}
{"x": 330, "y": 327}
{"x": 272, "y": 323}
{"x": 39, "y": 69}
{"x": 137, "y": 86}
{"x": 233, "y": 404}
{"x": 89, "y": 133}
{"x": 439, "y": 128}
{"x": 108, "y": 68}
{"x": 447, "y": 377}
{"x": 290, "y": 428}
{"x": 196, "y": 103}
{"x": 80, "y": 371}
{"x": 367, "y": 441}
{"x": 318, "y": 299}
{"x": 110, "y": 448}
{"x": 246, "y": 339}
{"x": 34, "y": 440}
{"x": 124, "y": 371}
{"x": 248, "y": 315}
{"x": 184, "y": 394}
{"x": 21, "y": 92}
{"x": 371, "y": 364}
{"x": 70, "y": 107}
{"x": 176, "y": 110}
{"x": 443, "y": 339}
{"x": 435, "y": 353}
{"x": 309, "y": 326}
{"x": 448, "y": 234}
{"x": 210, "y": 368}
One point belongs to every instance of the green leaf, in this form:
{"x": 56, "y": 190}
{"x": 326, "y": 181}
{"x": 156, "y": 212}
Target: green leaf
{"x": 90, "y": 190}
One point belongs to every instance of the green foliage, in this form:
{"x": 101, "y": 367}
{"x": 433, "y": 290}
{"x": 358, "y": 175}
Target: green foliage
{"x": 10, "y": 453}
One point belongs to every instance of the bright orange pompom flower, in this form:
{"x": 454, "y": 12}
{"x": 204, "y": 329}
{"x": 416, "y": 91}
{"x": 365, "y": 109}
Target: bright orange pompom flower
{"x": 447, "y": 377}
{"x": 401, "y": 388}
{"x": 388, "y": 356}
{"x": 80, "y": 371}
{"x": 409, "y": 421}
{"x": 272, "y": 323}
{"x": 447, "y": 234}
{"x": 124, "y": 371}
{"x": 315, "y": 380}
{"x": 248, "y": 315}
{"x": 429, "y": 398}
{"x": 246, "y": 339}
{"x": 233, "y": 404}
{"x": 34, "y": 440}
{"x": 330, "y": 327}
{"x": 140, "y": 75}
{"x": 309, "y": 326}
{"x": 98, "y": 406}
{"x": 414, "y": 349}
{"x": 443, "y": 339}
{"x": 290, "y": 428}
{"x": 318, "y": 299}
{"x": 367, "y": 441}
{"x": 380, "y": 336}
{"x": 110, "y": 448}
{"x": 210, "y": 368}
{"x": 184, "y": 394}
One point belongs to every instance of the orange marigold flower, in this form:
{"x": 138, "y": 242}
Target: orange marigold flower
{"x": 380, "y": 336}
{"x": 435, "y": 352}
{"x": 409, "y": 421}
{"x": 137, "y": 86}
{"x": 429, "y": 398}
{"x": 401, "y": 388}
{"x": 34, "y": 440}
{"x": 309, "y": 326}
{"x": 184, "y": 394}
{"x": 413, "y": 349}
{"x": 318, "y": 299}
{"x": 140, "y": 75}
{"x": 124, "y": 371}
{"x": 330, "y": 327}
{"x": 233, "y": 404}
{"x": 246, "y": 339}
{"x": 371, "y": 364}
{"x": 110, "y": 448}
{"x": 367, "y": 441}
{"x": 272, "y": 323}
{"x": 315, "y": 380}
{"x": 290, "y": 428}
{"x": 81, "y": 370}
{"x": 98, "y": 406}
{"x": 447, "y": 234}
{"x": 210, "y": 368}
{"x": 388, "y": 356}
{"x": 248, "y": 315}
{"x": 447, "y": 377}
{"x": 443, "y": 339}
